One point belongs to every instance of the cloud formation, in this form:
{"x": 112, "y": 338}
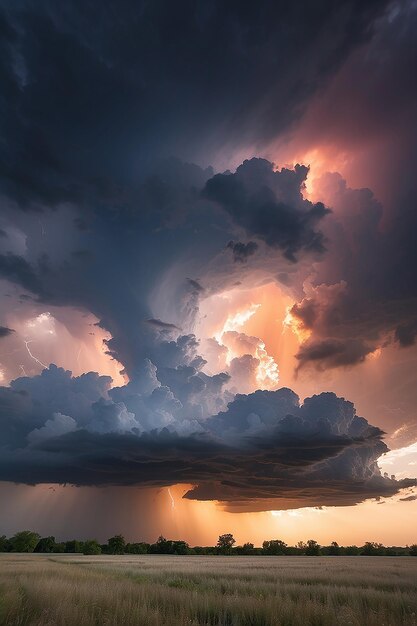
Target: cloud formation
{"x": 5, "y": 331}
{"x": 363, "y": 297}
{"x": 269, "y": 205}
{"x": 166, "y": 255}
{"x": 98, "y": 217}
{"x": 154, "y": 80}
{"x": 263, "y": 450}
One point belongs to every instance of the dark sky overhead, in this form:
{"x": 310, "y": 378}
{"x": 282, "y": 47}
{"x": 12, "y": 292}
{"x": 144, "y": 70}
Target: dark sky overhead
{"x": 208, "y": 268}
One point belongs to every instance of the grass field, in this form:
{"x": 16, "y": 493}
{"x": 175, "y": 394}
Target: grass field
{"x": 78, "y": 590}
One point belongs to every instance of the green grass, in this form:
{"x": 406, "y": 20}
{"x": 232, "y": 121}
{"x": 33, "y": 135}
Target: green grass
{"x": 72, "y": 590}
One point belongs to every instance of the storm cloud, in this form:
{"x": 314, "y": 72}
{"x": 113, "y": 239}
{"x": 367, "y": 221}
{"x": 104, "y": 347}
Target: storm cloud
{"x": 364, "y": 295}
{"x": 263, "y": 447}
{"x": 140, "y": 270}
{"x": 153, "y": 80}
{"x": 269, "y": 204}
{"x": 117, "y": 127}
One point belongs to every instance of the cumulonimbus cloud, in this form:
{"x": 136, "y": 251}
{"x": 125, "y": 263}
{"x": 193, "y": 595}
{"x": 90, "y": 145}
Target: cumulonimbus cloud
{"x": 95, "y": 217}
{"x": 58, "y": 428}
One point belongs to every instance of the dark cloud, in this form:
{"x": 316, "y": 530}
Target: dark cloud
{"x": 89, "y": 99}
{"x": 5, "y": 331}
{"x": 269, "y": 204}
{"x": 333, "y": 352}
{"x": 242, "y": 251}
{"x": 408, "y": 499}
{"x": 163, "y": 326}
{"x": 364, "y": 295}
{"x": 406, "y": 333}
{"x": 264, "y": 450}
{"x": 16, "y": 269}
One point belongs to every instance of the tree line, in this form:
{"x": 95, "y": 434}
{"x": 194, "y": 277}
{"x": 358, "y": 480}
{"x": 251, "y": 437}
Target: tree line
{"x": 29, "y": 541}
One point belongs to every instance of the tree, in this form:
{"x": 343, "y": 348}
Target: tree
{"x": 117, "y": 544}
{"x": 334, "y": 549}
{"x": 46, "y": 544}
{"x": 226, "y": 542}
{"x": 161, "y": 546}
{"x": 137, "y": 548}
{"x": 91, "y": 546}
{"x": 412, "y": 550}
{"x": 73, "y": 546}
{"x": 351, "y": 550}
{"x": 180, "y": 547}
{"x": 313, "y": 548}
{"x": 24, "y": 541}
{"x": 275, "y": 546}
{"x": 247, "y": 548}
{"x": 302, "y": 547}
{"x": 59, "y": 547}
{"x": 371, "y": 548}
{"x": 5, "y": 545}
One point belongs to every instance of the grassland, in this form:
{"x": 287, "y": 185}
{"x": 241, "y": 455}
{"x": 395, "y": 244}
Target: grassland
{"x": 73, "y": 590}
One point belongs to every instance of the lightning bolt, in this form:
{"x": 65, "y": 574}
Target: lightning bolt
{"x": 23, "y": 370}
{"x": 32, "y": 356}
{"x": 172, "y": 499}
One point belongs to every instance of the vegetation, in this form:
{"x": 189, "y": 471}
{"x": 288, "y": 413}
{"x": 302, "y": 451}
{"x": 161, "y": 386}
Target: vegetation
{"x": 28, "y": 541}
{"x": 165, "y": 590}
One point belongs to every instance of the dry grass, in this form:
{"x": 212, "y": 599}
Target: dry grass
{"x": 72, "y": 590}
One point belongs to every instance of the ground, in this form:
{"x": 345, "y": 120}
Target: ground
{"x": 76, "y": 590}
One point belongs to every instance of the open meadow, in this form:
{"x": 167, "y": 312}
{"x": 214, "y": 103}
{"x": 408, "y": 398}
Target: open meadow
{"x": 155, "y": 590}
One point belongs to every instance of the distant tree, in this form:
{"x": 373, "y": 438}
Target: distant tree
{"x": 226, "y": 542}
{"x": 274, "y": 546}
{"x": 24, "y": 541}
{"x": 116, "y": 544}
{"x": 91, "y": 546}
{"x": 179, "y": 547}
{"x": 351, "y": 550}
{"x": 371, "y": 548}
{"x": 168, "y": 546}
{"x": 137, "y": 548}
{"x": 334, "y": 549}
{"x": 412, "y": 550}
{"x": 46, "y": 544}
{"x": 161, "y": 546}
{"x": 59, "y": 547}
{"x": 73, "y": 546}
{"x": 301, "y": 547}
{"x": 247, "y": 548}
{"x": 5, "y": 545}
{"x": 313, "y": 548}
{"x": 205, "y": 550}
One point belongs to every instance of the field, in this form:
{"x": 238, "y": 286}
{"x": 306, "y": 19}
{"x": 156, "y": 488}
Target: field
{"x": 75, "y": 590}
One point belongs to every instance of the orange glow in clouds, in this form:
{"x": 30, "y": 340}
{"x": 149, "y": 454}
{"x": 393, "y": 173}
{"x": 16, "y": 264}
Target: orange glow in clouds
{"x": 254, "y": 322}
{"x": 296, "y": 326}
{"x": 267, "y": 373}
{"x": 67, "y": 337}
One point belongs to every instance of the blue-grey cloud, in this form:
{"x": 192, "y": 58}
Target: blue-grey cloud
{"x": 263, "y": 451}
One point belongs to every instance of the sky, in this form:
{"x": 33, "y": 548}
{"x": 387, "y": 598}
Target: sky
{"x": 208, "y": 271}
